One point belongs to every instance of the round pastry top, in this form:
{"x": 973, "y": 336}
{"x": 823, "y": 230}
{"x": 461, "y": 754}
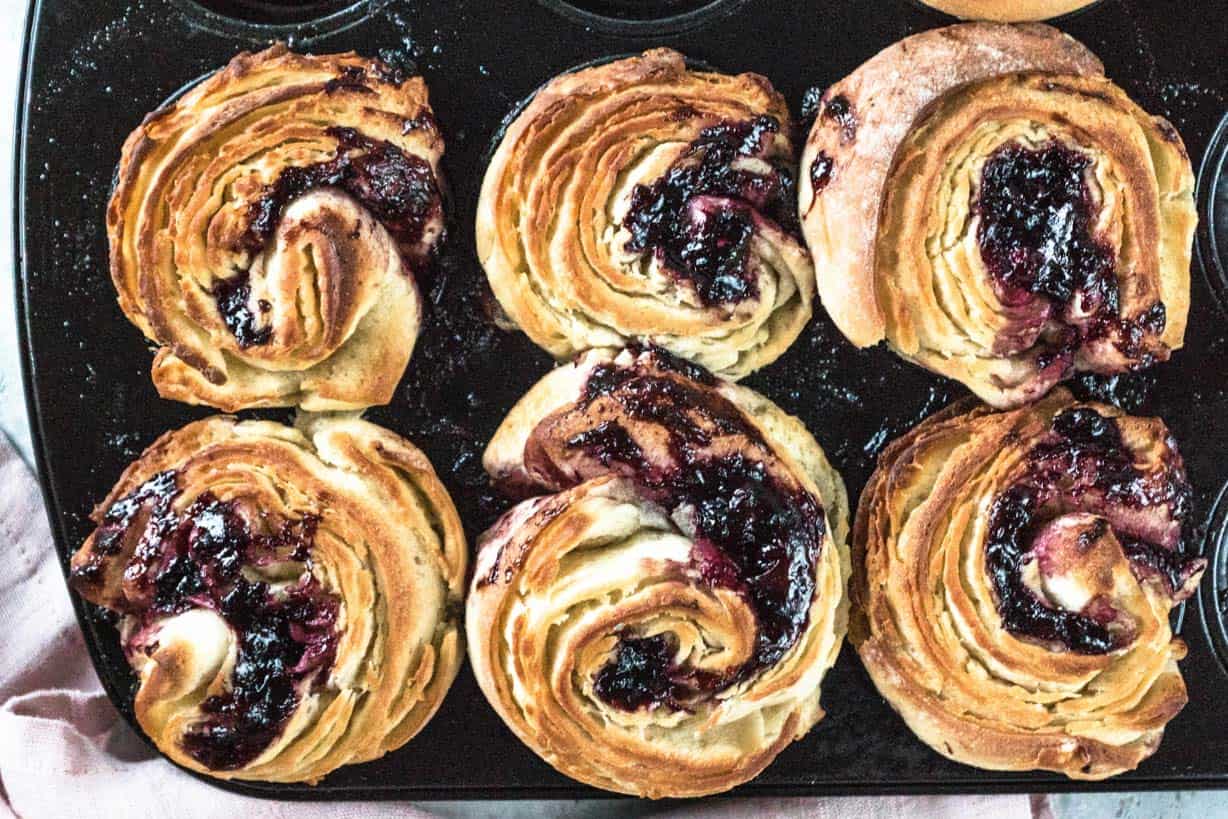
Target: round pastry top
{"x": 684, "y": 539}
{"x": 982, "y": 198}
{"x": 256, "y": 569}
{"x": 268, "y": 226}
{"x": 646, "y": 201}
{"x": 1025, "y": 564}
{"x": 1008, "y": 11}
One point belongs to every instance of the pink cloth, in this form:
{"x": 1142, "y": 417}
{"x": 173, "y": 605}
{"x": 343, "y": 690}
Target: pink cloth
{"x": 64, "y": 750}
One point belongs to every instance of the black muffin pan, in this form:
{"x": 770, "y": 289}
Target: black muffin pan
{"x": 93, "y": 68}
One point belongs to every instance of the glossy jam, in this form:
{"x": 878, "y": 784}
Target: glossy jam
{"x": 640, "y": 675}
{"x": 840, "y": 111}
{"x": 195, "y": 559}
{"x": 767, "y": 540}
{"x": 820, "y": 172}
{"x": 153, "y": 496}
{"x": 247, "y": 325}
{"x": 1021, "y": 611}
{"x": 698, "y": 219}
{"x": 610, "y": 443}
{"x": 753, "y": 532}
{"x": 1088, "y": 457}
{"x": 1037, "y": 240}
{"x": 1035, "y": 231}
{"x": 811, "y": 107}
{"x": 352, "y": 78}
{"x": 605, "y": 378}
{"x": 1083, "y": 463}
{"x": 281, "y": 641}
{"x": 1173, "y": 568}
{"x": 400, "y": 189}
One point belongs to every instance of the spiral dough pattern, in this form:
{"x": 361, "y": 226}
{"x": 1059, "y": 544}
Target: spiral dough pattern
{"x": 660, "y": 620}
{"x": 289, "y": 599}
{"x": 267, "y": 228}
{"x": 1014, "y": 575}
{"x": 639, "y": 201}
{"x": 986, "y": 201}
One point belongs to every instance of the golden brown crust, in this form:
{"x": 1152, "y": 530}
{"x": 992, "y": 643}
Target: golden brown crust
{"x": 893, "y": 227}
{"x": 550, "y": 223}
{"x": 563, "y": 577}
{"x": 1008, "y": 11}
{"x": 374, "y": 533}
{"x": 927, "y": 620}
{"x": 331, "y": 310}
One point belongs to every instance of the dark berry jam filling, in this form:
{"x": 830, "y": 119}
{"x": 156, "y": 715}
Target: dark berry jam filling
{"x": 233, "y": 297}
{"x": 1083, "y": 464}
{"x": 1173, "y": 568}
{"x": 400, "y": 189}
{"x": 194, "y": 559}
{"x": 1037, "y": 239}
{"x": 698, "y": 219}
{"x": 1022, "y": 613}
{"x": 820, "y": 172}
{"x": 756, "y": 531}
{"x": 610, "y": 443}
{"x": 281, "y": 641}
{"x": 640, "y": 675}
{"x": 1036, "y": 225}
{"x": 352, "y": 78}
{"x": 840, "y": 111}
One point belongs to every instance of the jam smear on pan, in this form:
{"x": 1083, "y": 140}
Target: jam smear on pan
{"x": 194, "y": 558}
{"x": 698, "y": 219}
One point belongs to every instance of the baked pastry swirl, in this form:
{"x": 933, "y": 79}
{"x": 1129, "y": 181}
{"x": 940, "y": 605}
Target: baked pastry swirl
{"x": 289, "y": 599}
{"x": 267, "y": 227}
{"x": 659, "y": 622}
{"x": 639, "y": 201}
{"x": 984, "y": 199}
{"x": 1008, "y": 11}
{"x": 1014, "y": 575}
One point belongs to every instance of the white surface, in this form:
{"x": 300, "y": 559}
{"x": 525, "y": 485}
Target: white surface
{"x": 13, "y": 423}
{"x": 12, "y": 401}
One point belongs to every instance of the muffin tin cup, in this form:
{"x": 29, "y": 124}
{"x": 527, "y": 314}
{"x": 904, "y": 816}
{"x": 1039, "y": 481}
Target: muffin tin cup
{"x": 94, "y": 70}
{"x": 263, "y": 21}
{"x": 1213, "y": 213}
{"x": 1213, "y": 593}
{"x": 643, "y": 17}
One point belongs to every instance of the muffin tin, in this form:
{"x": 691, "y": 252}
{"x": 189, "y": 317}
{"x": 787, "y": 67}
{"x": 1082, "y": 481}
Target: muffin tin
{"x": 95, "y": 67}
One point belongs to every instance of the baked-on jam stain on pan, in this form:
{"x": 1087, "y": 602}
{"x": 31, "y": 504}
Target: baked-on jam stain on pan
{"x": 95, "y": 69}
